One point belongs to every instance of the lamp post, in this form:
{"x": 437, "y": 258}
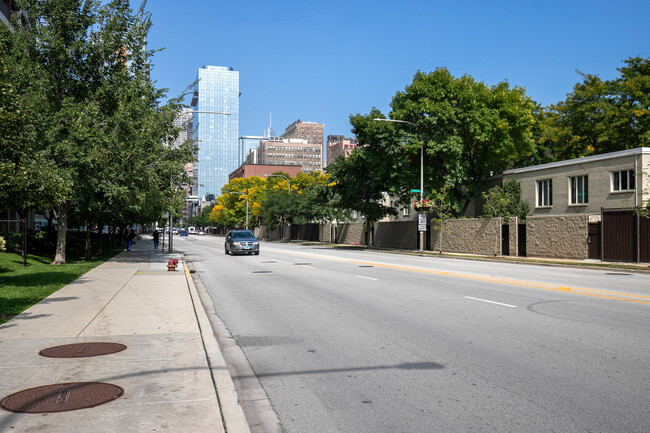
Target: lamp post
{"x": 289, "y": 182}
{"x": 421, "y": 175}
{"x": 246, "y": 194}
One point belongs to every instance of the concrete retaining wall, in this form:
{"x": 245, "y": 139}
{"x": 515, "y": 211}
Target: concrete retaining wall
{"x": 396, "y": 234}
{"x": 470, "y": 236}
{"x": 558, "y": 236}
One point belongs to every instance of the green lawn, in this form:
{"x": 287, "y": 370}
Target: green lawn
{"x": 21, "y": 287}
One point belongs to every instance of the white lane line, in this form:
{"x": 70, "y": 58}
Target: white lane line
{"x": 367, "y": 278}
{"x": 491, "y": 302}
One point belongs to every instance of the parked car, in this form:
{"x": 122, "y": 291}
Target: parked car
{"x": 241, "y": 241}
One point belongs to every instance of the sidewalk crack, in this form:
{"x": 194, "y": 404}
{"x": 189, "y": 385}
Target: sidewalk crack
{"x": 107, "y": 304}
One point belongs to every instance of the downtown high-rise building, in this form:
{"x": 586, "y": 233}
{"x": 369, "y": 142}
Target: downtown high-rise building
{"x": 216, "y": 127}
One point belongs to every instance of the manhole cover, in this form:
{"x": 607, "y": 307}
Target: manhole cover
{"x": 61, "y": 397}
{"x": 82, "y": 350}
{"x": 302, "y": 264}
{"x": 262, "y": 272}
{"x": 366, "y": 266}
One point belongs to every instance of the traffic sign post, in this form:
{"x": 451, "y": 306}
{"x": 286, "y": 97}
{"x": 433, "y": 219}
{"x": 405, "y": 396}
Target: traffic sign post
{"x": 422, "y": 222}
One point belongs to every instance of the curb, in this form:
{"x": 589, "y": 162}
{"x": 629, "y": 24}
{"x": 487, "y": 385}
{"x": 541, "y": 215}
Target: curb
{"x": 232, "y": 414}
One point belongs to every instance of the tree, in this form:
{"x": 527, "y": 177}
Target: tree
{"x": 98, "y": 118}
{"x": 358, "y": 182}
{"x": 466, "y": 129}
{"x": 601, "y": 116}
{"x": 28, "y": 178}
{"x": 469, "y": 130}
{"x": 505, "y": 201}
{"x": 443, "y": 208}
{"x": 230, "y": 209}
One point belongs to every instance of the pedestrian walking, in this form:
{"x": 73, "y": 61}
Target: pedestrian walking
{"x": 129, "y": 239}
{"x": 156, "y": 239}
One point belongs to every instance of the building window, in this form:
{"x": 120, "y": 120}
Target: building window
{"x": 579, "y": 186}
{"x": 407, "y": 210}
{"x": 544, "y": 193}
{"x": 623, "y": 180}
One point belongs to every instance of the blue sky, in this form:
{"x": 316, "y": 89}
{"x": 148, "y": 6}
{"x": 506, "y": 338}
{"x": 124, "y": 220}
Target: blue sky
{"x": 322, "y": 61}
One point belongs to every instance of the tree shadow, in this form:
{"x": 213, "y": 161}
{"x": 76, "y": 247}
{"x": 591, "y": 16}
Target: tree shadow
{"x": 37, "y": 279}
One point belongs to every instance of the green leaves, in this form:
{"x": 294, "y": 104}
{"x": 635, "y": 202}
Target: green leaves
{"x": 93, "y": 138}
{"x": 467, "y": 130}
{"x": 601, "y": 116}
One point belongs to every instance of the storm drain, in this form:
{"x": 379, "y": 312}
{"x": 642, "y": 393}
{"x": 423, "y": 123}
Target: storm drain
{"x": 82, "y": 350}
{"x": 61, "y": 397}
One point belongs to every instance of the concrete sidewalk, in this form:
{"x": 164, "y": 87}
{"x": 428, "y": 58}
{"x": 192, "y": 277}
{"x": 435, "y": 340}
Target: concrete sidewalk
{"x": 172, "y": 371}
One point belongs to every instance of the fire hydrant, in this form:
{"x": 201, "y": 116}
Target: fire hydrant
{"x": 171, "y": 264}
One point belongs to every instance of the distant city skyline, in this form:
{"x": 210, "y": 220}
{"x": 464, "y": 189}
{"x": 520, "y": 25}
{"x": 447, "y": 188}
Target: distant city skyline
{"x": 322, "y": 62}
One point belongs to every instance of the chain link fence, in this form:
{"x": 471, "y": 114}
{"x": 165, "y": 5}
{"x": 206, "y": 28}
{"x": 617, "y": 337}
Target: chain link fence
{"x": 13, "y": 243}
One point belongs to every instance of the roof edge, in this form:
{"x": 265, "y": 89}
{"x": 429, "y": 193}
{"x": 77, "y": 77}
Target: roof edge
{"x": 583, "y": 159}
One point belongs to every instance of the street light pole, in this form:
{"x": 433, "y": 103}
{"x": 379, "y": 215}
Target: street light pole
{"x": 421, "y": 170}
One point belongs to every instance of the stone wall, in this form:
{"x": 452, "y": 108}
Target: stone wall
{"x": 470, "y": 236}
{"x": 396, "y": 234}
{"x": 513, "y": 232}
{"x": 557, "y": 236}
{"x": 326, "y": 233}
{"x": 350, "y": 233}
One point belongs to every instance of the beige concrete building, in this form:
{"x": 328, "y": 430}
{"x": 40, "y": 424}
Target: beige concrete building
{"x": 583, "y": 186}
{"x": 338, "y": 145}
{"x": 287, "y": 151}
{"x": 310, "y": 131}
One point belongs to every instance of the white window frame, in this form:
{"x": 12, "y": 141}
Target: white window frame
{"x": 621, "y": 178}
{"x": 544, "y": 193}
{"x": 407, "y": 210}
{"x": 579, "y": 190}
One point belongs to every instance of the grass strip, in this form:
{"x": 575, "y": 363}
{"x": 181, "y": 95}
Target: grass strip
{"x": 21, "y": 287}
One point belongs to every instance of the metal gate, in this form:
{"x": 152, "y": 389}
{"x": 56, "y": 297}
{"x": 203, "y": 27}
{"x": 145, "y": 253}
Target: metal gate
{"x": 594, "y": 241}
{"x": 625, "y": 236}
{"x": 13, "y": 242}
{"x": 505, "y": 240}
{"x": 521, "y": 240}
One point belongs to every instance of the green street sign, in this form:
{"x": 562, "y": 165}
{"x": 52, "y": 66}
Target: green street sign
{"x": 415, "y": 190}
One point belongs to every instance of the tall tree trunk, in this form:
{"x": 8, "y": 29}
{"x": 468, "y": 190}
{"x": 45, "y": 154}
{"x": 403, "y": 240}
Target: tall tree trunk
{"x": 89, "y": 252}
{"x": 61, "y": 235}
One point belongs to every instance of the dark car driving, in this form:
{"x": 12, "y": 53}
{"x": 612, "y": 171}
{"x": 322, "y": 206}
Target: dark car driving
{"x": 241, "y": 241}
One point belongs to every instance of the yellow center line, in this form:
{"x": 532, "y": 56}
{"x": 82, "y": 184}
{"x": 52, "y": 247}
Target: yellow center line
{"x": 605, "y": 294}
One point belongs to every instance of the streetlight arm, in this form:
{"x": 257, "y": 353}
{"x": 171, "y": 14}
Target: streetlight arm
{"x": 279, "y": 175}
{"x": 394, "y": 121}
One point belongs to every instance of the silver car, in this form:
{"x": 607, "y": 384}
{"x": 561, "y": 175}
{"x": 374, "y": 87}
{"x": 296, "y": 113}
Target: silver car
{"x": 241, "y": 242}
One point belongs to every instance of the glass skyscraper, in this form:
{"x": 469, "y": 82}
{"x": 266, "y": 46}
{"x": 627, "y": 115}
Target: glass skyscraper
{"x": 217, "y": 135}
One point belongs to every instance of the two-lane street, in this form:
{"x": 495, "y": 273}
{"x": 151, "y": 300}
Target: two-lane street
{"x": 367, "y": 341}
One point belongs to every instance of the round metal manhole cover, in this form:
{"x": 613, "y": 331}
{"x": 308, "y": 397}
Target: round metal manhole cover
{"x": 82, "y": 350}
{"x": 262, "y": 272}
{"x": 302, "y": 264}
{"x": 61, "y": 397}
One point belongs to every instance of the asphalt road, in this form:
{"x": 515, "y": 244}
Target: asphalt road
{"x": 365, "y": 341}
